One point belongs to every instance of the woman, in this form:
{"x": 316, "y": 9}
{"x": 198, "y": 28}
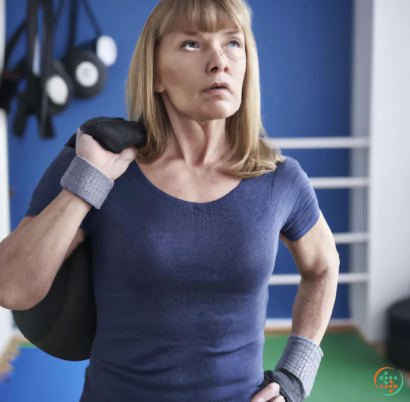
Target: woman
{"x": 185, "y": 243}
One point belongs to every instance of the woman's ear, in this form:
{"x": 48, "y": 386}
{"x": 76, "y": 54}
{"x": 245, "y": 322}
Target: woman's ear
{"x": 158, "y": 88}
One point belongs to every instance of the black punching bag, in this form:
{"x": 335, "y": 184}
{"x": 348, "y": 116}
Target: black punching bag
{"x": 398, "y": 334}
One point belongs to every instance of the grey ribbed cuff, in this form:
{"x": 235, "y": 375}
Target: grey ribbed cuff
{"x": 87, "y": 181}
{"x": 301, "y": 357}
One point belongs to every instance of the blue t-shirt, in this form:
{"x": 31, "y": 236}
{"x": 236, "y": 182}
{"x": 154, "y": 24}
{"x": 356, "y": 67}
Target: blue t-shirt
{"x": 182, "y": 287}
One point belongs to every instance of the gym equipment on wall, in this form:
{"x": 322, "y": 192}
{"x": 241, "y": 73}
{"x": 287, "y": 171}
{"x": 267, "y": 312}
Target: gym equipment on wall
{"x": 87, "y": 63}
{"x": 33, "y": 99}
{"x": 11, "y": 77}
{"x": 81, "y": 73}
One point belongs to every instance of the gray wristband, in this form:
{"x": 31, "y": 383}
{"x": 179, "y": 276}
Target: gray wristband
{"x": 301, "y": 357}
{"x": 87, "y": 181}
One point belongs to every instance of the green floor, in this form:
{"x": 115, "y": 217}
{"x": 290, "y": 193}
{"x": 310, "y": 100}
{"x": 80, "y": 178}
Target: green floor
{"x": 346, "y": 372}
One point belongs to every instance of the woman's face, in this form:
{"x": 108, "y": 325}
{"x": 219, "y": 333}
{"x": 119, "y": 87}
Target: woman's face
{"x": 188, "y": 63}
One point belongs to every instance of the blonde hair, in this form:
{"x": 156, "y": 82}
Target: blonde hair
{"x": 251, "y": 154}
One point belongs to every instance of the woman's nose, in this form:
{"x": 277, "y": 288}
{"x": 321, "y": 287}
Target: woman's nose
{"x": 219, "y": 61}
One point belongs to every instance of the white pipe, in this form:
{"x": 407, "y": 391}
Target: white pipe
{"x": 321, "y": 142}
{"x": 339, "y": 182}
{"x": 6, "y": 319}
{"x": 294, "y": 279}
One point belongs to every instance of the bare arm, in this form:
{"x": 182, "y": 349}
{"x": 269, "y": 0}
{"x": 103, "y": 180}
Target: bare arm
{"x": 31, "y": 255}
{"x": 318, "y": 262}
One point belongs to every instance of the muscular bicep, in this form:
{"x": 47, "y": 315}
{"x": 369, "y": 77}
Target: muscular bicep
{"x": 78, "y": 238}
{"x": 316, "y": 250}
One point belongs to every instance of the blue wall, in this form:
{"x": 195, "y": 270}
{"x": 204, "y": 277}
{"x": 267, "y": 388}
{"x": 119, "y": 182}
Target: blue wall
{"x": 304, "y": 50}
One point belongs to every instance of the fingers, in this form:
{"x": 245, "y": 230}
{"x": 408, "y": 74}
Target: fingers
{"x": 269, "y": 393}
{"x": 130, "y": 153}
{"x": 278, "y": 399}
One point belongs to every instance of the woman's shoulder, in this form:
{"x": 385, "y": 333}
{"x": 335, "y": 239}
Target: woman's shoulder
{"x": 289, "y": 177}
{"x": 289, "y": 169}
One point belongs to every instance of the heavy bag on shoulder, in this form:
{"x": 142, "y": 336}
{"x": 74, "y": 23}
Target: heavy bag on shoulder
{"x": 63, "y": 324}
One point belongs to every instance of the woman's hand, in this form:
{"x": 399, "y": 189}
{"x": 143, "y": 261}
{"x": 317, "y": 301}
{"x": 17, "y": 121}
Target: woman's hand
{"x": 112, "y": 165}
{"x": 269, "y": 394}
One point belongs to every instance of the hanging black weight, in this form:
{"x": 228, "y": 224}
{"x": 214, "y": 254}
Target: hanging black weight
{"x": 59, "y": 85}
{"x": 59, "y": 88}
{"x": 103, "y": 45}
{"x": 87, "y": 70}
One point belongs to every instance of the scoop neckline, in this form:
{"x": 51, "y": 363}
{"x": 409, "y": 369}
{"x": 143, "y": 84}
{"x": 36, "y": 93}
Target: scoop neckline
{"x": 179, "y": 200}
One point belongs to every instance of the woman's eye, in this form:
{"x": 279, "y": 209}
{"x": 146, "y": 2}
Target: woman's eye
{"x": 188, "y": 42}
{"x": 235, "y": 41}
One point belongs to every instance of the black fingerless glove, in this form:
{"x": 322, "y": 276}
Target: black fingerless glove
{"x": 290, "y": 386}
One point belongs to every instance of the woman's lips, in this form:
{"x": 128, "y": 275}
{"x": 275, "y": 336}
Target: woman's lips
{"x": 217, "y": 91}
